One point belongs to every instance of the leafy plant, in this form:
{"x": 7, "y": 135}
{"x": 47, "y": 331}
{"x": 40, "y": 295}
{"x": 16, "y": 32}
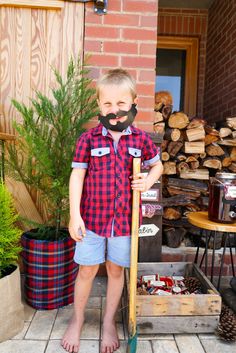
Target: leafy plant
{"x": 43, "y": 152}
{"x": 9, "y": 233}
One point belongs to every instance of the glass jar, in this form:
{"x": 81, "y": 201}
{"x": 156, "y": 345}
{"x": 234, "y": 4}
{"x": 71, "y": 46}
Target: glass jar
{"x": 222, "y": 198}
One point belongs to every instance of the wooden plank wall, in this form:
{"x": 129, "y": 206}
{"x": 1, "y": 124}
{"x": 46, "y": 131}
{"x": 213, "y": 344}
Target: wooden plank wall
{"x": 35, "y": 36}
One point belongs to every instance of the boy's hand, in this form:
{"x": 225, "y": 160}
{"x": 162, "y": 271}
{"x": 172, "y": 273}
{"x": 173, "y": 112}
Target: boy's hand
{"x": 77, "y": 229}
{"x": 139, "y": 182}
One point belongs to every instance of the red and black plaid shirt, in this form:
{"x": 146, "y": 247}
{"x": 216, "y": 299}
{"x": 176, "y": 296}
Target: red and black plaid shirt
{"x": 106, "y": 198}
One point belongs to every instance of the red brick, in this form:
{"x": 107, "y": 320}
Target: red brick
{"x": 146, "y": 102}
{"x": 148, "y": 21}
{"x": 101, "y": 32}
{"x": 142, "y": 62}
{"x": 179, "y": 29}
{"x": 146, "y": 116}
{"x": 171, "y": 257}
{"x": 121, "y": 20}
{"x": 161, "y": 23}
{"x": 148, "y": 127}
{"x": 120, "y": 47}
{"x": 197, "y": 27}
{"x": 140, "y": 6}
{"x": 104, "y": 60}
{"x": 138, "y": 34}
{"x": 146, "y": 89}
{"x": 91, "y": 17}
{"x": 147, "y": 75}
{"x": 173, "y": 23}
{"x": 167, "y": 27}
{"x": 185, "y": 25}
{"x": 147, "y": 49}
{"x": 92, "y": 46}
{"x": 114, "y": 5}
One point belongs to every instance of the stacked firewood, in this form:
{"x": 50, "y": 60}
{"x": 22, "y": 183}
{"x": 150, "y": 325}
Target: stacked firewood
{"x": 192, "y": 152}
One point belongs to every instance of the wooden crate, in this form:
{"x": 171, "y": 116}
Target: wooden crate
{"x": 197, "y": 313}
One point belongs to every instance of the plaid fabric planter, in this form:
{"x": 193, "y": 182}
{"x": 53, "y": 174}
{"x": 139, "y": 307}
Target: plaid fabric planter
{"x": 50, "y": 272}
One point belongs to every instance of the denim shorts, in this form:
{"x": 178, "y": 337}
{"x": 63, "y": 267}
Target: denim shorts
{"x": 94, "y": 250}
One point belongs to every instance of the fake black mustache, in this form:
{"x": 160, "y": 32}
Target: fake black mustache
{"x": 119, "y": 114}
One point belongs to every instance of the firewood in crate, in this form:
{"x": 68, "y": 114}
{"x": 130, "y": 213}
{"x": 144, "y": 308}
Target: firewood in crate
{"x": 166, "y": 111}
{"x": 172, "y": 213}
{"x": 232, "y": 167}
{"x": 212, "y": 162}
{"x": 176, "y": 200}
{"x": 182, "y": 167}
{"x": 214, "y": 150}
{"x": 200, "y": 174}
{"x": 182, "y": 222}
{"x": 174, "y": 236}
{"x": 192, "y": 162}
{"x": 231, "y": 122}
{"x": 226, "y": 162}
{"x": 193, "y": 207}
{"x": 227, "y": 142}
{"x": 225, "y": 132}
{"x": 195, "y": 134}
{"x": 210, "y": 139}
{"x": 159, "y": 127}
{"x": 233, "y": 154}
{"x": 203, "y": 202}
{"x": 165, "y": 156}
{"x": 174, "y": 147}
{"x": 175, "y": 190}
{"x": 211, "y": 130}
{"x": 163, "y": 97}
{"x": 180, "y": 157}
{"x": 169, "y": 168}
{"x": 194, "y": 147}
{"x": 172, "y": 134}
{"x": 196, "y": 123}
{"x": 193, "y": 185}
{"x": 164, "y": 145}
{"x": 158, "y": 117}
{"x": 178, "y": 120}
{"x": 202, "y": 155}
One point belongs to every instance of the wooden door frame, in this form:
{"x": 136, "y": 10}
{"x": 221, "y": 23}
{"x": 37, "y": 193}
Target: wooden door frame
{"x": 190, "y": 44}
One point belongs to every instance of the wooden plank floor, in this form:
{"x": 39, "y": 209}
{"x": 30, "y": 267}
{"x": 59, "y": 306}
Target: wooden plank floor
{"x": 44, "y": 329}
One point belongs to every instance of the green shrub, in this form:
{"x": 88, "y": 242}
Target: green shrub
{"x": 9, "y": 233}
{"x": 42, "y": 155}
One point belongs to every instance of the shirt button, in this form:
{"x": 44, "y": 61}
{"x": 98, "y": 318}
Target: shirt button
{"x": 118, "y": 196}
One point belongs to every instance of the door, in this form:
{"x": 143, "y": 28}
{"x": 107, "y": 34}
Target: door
{"x": 35, "y": 35}
{"x": 176, "y": 71}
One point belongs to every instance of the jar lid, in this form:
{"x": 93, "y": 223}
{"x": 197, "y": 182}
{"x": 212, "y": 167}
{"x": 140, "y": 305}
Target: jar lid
{"x": 226, "y": 175}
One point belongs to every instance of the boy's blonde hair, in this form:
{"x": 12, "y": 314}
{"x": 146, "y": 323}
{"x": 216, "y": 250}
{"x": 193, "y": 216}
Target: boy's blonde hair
{"x": 117, "y": 77}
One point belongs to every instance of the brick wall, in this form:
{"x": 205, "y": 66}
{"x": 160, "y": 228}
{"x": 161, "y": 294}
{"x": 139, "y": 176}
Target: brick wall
{"x": 220, "y": 86}
{"x": 126, "y": 37}
{"x": 189, "y": 23}
{"x": 187, "y": 254}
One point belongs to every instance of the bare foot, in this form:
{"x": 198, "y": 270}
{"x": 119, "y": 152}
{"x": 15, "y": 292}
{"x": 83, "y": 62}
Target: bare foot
{"x": 110, "y": 340}
{"x": 71, "y": 338}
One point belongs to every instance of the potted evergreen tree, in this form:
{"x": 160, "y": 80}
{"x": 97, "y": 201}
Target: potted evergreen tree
{"x": 11, "y": 308}
{"x": 41, "y": 158}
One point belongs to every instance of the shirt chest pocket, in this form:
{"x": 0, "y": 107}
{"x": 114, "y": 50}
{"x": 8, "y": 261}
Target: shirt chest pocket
{"x": 100, "y": 158}
{"x": 135, "y": 152}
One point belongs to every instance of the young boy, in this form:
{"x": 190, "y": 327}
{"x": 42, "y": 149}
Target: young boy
{"x": 100, "y": 200}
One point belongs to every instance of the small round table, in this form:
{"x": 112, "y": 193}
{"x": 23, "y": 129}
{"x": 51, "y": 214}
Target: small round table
{"x": 200, "y": 220}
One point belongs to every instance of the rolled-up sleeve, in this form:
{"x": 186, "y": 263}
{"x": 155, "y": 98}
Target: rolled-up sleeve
{"x": 151, "y": 153}
{"x": 82, "y": 152}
